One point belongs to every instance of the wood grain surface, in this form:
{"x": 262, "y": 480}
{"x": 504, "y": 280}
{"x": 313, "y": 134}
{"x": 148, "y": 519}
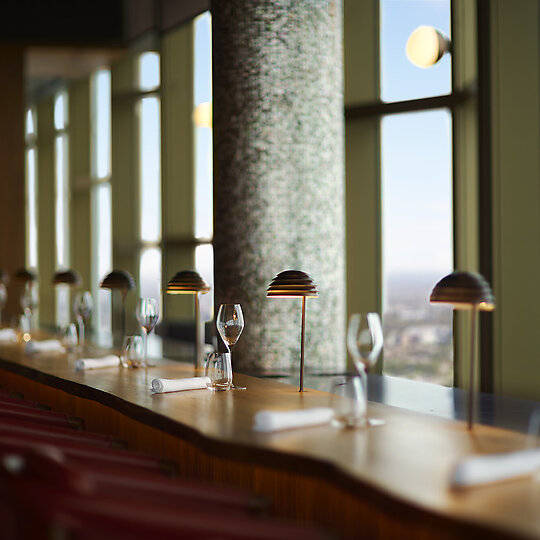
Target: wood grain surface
{"x": 384, "y": 482}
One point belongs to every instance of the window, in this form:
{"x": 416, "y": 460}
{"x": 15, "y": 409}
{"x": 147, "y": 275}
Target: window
{"x": 31, "y": 189}
{"x": 416, "y": 189}
{"x": 101, "y": 201}
{"x": 61, "y": 173}
{"x": 204, "y": 254}
{"x": 148, "y": 108}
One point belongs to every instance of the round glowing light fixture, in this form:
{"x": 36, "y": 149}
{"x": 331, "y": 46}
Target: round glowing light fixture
{"x": 67, "y": 277}
{"x": 191, "y": 282}
{"x": 295, "y": 284}
{"x": 465, "y": 291}
{"x": 426, "y": 46}
{"x": 202, "y": 116}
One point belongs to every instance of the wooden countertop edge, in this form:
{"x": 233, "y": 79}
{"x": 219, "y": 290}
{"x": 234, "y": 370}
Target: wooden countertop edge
{"x": 260, "y": 456}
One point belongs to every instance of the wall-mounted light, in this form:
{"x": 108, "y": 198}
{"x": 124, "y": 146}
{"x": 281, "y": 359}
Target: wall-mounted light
{"x": 426, "y": 46}
{"x": 202, "y": 116}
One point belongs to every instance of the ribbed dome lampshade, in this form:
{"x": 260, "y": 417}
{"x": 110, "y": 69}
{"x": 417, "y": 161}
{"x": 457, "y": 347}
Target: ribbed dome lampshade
{"x": 292, "y": 283}
{"x": 24, "y": 276}
{"x": 67, "y": 277}
{"x": 187, "y": 282}
{"x": 118, "y": 279}
{"x": 465, "y": 290}
{"x": 191, "y": 282}
{"x": 295, "y": 284}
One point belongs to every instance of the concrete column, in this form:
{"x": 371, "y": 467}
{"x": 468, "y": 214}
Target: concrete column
{"x": 279, "y": 181}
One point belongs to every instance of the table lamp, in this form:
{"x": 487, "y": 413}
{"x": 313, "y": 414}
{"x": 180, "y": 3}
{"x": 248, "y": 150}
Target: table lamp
{"x": 294, "y": 284}
{"x": 122, "y": 281}
{"x": 191, "y": 282}
{"x": 465, "y": 291}
{"x": 24, "y": 277}
{"x": 67, "y": 277}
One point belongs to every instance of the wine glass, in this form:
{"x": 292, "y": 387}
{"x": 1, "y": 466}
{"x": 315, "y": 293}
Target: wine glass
{"x": 132, "y": 352}
{"x": 3, "y": 299}
{"x": 147, "y": 314}
{"x": 230, "y": 323}
{"x": 29, "y": 303}
{"x": 365, "y": 343}
{"x": 82, "y": 308}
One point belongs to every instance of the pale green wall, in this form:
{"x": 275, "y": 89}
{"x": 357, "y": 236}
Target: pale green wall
{"x": 516, "y": 195}
{"x": 363, "y": 201}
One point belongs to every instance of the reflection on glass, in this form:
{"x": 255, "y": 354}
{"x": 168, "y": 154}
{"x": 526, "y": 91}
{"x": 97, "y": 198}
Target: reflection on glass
{"x": 101, "y": 124}
{"x": 150, "y": 169}
{"x": 401, "y": 80}
{"x": 417, "y": 243}
{"x": 149, "y": 71}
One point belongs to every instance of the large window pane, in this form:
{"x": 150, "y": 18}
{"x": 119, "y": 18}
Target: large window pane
{"x": 62, "y": 199}
{"x": 401, "y": 80}
{"x": 60, "y": 111}
{"x": 101, "y": 124}
{"x": 102, "y": 259}
{"x": 203, "y": 127}
{"x": 150, "y": 169}
{"x": 204, "y": 264}
{"x": 417, "y": 243}
{"x": 149, "y": 78}
{"x": 31, "y": 208}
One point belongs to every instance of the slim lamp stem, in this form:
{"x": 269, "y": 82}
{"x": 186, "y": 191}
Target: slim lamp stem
{"x": 198, "y": 333}
{"x": 124, "y": 294}
{"x": 302, "y": 344}
{"x": 471, "y": 375}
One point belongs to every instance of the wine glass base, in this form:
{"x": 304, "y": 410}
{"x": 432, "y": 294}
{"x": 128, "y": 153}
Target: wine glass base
{"x": 375, "y": 422}
{"x": 235, "y": 387}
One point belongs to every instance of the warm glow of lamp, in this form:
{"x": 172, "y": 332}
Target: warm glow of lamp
{"x": 191, "y": 282}
{"x": 465, "y": 291}
{"x": 202, "y": 117}
{"x": 426, "y": 46}
{"x": 67, "y": 277}
{"x": 122, "y": 281}
{"x": 294, "y": 284}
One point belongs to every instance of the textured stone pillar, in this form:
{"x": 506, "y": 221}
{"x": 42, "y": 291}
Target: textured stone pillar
{"x": 279, "y": 181}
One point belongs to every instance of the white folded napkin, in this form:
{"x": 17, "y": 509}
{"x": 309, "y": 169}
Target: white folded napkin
{"x": 8, "y": 335}
{"x": 160, "y": 386}
{"x": 486, "y": 469}
{"x": 277, "y": 420}
{"x": 48, "y": 345}
{"x": 95, "y": 363}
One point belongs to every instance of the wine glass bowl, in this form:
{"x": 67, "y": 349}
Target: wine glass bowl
{"x": 365, "y": 343}
{"x": 147, "y": 313}
{"x": 82, "y": 309}
{"x": 29, "y": 302}
{"x": 230, "y": 324}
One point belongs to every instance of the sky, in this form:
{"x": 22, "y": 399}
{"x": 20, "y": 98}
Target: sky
{"x": 416, "y": 153}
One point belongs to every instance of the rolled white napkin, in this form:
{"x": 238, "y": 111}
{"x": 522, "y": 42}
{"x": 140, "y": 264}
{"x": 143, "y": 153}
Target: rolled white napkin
{"x": 278, "y": 420}
{"x": 48, "y": 345}
{"x": 487, "y": 469}
{"x": 94, "y": 363}
{"x": 160, "y": 386}
{"x": 8, "y": 335}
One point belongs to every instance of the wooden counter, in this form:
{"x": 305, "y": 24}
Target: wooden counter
{"x": 384, "y": 482}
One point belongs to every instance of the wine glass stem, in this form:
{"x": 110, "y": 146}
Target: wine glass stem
{"x": 145, "y": 346}
{"x": 80, "y": 323}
